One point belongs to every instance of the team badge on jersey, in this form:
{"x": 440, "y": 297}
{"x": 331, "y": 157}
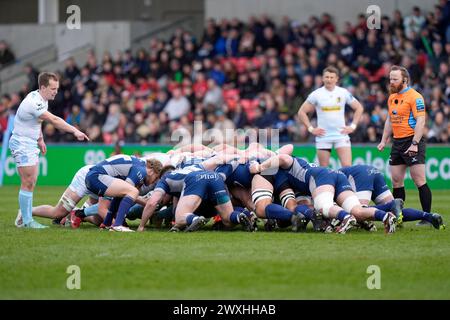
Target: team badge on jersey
{"x": 420, "y": 104}
{"x": 338, "y": 99}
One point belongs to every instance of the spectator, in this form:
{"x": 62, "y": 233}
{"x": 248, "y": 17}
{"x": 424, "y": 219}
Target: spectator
{"x": 286, "y": 127}
{"x": 6, "y": 55}
{"x": 177, "y": 106}
{"x": 414, "y": 23}
{"x": 239, "y": 117}
{"x": 271, "y": 40}
{"x": 74, "y": 118}
{"x": 438, "y": 126}
{"x": 71, "y": 71}
{"x": 5, "y": 105}
{"x": 32, "y": 75}
{"x": 160, "y": 102}
{"x": 214, "y": 95}
{"x": 225, "y": 125}
{"x": 112, "y": 119}
{"x": 247, "y": 45}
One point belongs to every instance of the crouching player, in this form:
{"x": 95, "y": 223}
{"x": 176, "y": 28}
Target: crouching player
{"x": 207, "y": 188}
{"x": 120, "y": 177}
{"x": 327, "y": 187}
{"x": 369, "y": 184}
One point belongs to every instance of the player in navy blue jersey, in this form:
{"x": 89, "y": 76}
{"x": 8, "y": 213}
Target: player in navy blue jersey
{"x": 239, "y": 182}
{"x": 172, "y": 182}
{"x": 207, "y": 188}
{"x": 120, "y": 177}
{"x": 264, "y": 187}
{"x": 167, "y": 189}
{"x": 327, "y": 187}
{"x": 369, "y": 184}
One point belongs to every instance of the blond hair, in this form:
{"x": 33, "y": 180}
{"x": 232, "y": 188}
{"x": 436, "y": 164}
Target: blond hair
{"x": 155, "y": 165}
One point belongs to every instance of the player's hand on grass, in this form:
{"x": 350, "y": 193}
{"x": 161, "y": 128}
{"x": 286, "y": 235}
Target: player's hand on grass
{"x": 140, "y": 229}
{"x": 80, "y": 136}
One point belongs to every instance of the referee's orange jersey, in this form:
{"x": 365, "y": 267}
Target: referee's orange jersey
{"x": 404, "y": 108}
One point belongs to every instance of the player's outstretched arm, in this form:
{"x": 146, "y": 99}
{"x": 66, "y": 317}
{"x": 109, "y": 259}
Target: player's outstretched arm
{"x": 218, "y": 160}
{"x": 60, "y": 124}
{"x": 192, "y": 147}
{"x": 150, "y": 208}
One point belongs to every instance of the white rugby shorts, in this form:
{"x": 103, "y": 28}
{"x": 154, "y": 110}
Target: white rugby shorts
{"x": 24, "y": 151}
{"x": 337, "y": 143}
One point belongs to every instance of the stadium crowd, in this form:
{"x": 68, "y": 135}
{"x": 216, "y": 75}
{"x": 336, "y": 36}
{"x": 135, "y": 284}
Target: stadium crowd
{"x": 252, "y": 74}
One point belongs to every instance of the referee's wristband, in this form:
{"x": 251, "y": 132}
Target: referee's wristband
{"x": 353, "y": 126}
{"x": 310, "y": 129}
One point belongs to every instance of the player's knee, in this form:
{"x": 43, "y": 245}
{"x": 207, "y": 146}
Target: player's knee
{"x": 287, "y": 199}
{"x": 28, "y": 184}
{"x": 132, "y": 193}
{"x": 324, "y": 202}
{"x": 65, "y": 203}
{"x": 352, "y": 205}
{"x": 261, "y": 198}
{"x": 397, "y": 180}
{"x": 260, "y": 207}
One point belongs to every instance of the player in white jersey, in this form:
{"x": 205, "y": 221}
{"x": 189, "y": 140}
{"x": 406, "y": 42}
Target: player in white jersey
{"x": 76, "y": 191}
{"x": 329, "y": 103}
{"x": 27, "y": 140}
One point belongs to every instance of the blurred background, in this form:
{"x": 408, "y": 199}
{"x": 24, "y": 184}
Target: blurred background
{"x": 134, "y": 72}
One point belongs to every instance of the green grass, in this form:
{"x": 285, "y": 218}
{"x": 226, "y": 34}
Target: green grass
{"x": 414, "y": 262}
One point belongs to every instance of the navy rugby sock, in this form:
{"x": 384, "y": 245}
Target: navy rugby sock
{"x": 190, "y": 218}
{"x": 125, "y": 205}
{"x": 275, "y": 211}
{"x": 342, "y": 214}
{"x": 379, "y": 215}
{"x": 385, "y": 206}
{"x": 410, "y": 214}
{"x": 305, "y": 210}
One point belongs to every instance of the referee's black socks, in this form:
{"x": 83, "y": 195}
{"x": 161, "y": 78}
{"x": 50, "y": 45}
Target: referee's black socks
{"x": 399, "y": 193}
{"x": 425, "y": 197}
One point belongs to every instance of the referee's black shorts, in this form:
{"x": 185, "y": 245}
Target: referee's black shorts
{"x": 398, "y": 155}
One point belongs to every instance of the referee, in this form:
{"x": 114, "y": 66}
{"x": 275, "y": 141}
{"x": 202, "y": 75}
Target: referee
{"x": 406, "y": 121}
